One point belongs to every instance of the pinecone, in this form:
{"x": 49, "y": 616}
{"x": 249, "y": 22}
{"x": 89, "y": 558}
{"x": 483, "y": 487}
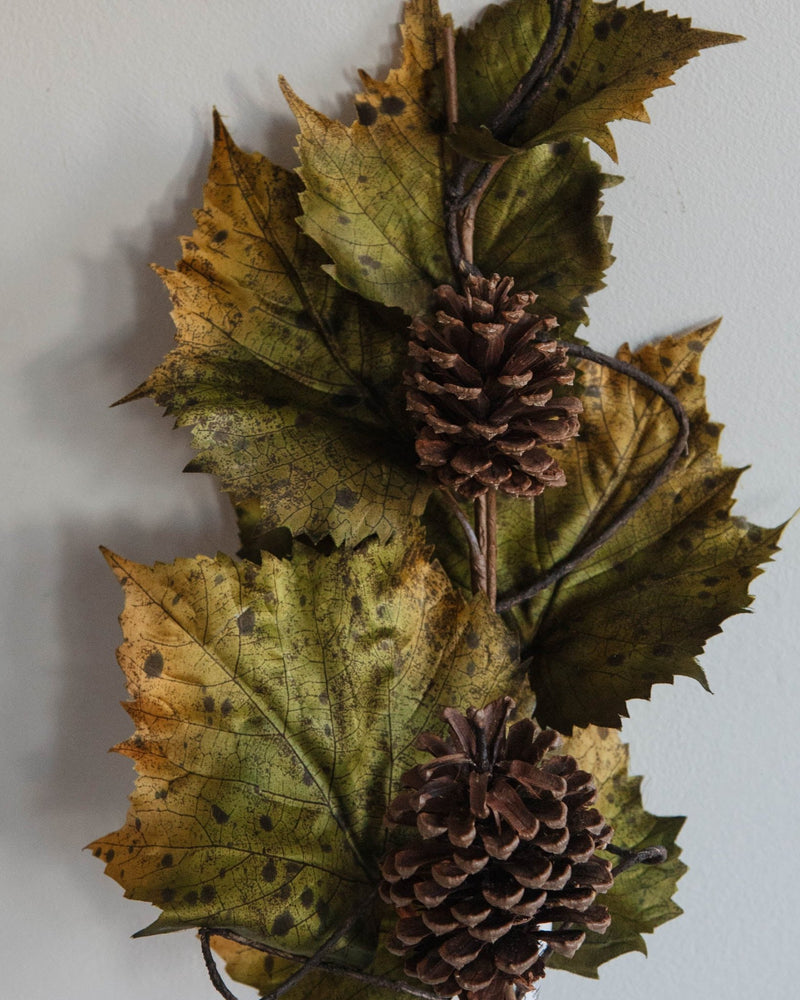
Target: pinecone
{"x": 506, "y": 866}
{"x": 480, "y": 391}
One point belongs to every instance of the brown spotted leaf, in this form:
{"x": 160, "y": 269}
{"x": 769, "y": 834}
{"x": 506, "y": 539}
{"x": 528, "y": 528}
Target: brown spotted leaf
{"x": 374, "y": 189}
{"x": 618, "y": 58}
{"x": 639, "y": 611}
{"x": 288, "y": 382}
{"x": 275, "y": 709}
{"x": 641, "y": 898}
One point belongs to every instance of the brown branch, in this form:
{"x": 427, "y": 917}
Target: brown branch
{"x": 491, "y": 547}
{"x": 630, "y": 858}
{"x": 450, "y": 79}
{"x": 338, "y": 970}
{"x": 679, "y": 447}
{"x": 475, "y": 554}
{"x": 480, "y": 530}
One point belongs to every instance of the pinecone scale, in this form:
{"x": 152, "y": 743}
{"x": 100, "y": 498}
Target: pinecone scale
{"x": 505, "y": 867}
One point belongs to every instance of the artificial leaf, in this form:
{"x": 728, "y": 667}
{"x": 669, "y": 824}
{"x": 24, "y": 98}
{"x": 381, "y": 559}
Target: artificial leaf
{"x": 374, "y": 193}
{"x": 560, "y": 250}
{"x": 618, "y": 58}
{"x": 275, "y": 709}
{"x": 641, "y": 898}
{"x": 638, "y": 611}
{"x": 289, "y": 382}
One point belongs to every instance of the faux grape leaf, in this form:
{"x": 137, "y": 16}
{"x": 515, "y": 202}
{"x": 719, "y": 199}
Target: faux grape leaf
{"x": 558, "y": 248}
{"x": 639, "y": 611}
{"x": 275, "y": 709}
{"x": 374, "y": 195}
{"x": 641, "y": 898}
{"x": 374, "y": 192}
{"x": 618, "y": 58}
{"x": 289, "y": 383}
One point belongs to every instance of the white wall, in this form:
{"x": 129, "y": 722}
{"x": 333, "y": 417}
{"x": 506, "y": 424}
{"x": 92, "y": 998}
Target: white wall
{"x": 106, "y": 110}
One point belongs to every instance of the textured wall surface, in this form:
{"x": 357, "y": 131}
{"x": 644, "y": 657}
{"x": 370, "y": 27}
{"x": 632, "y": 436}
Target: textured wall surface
{"x": 106, "y": 111}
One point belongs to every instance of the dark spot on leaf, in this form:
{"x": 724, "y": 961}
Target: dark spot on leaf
{"x": 324, "y": 699}
{"x": 745, "y": 572}
{"x": 98, "y": 851}
{"x": 346, "y": 498}
{"x": 688, "y": 378}
{"x": 323, "y": 910}
{"x": 712, "y": 430}
{"x": 665, "y": 361}
{"x": 602, "y": 30}
{"x": 154, "y": 664}
{"x": 368, "y": 261}
{"x": 362, "y": 178}
{"x": 265, "y": 822}
{"x": 592, "y": 390}
{"x": 219, "y": 814}
{"x": 190, "y": 897}
{"x": 549, "y": 279}
{"x": 601, "y": 67}
{"x": 356, "y": 603}
{"x": 616, "y": 659}
{"x": 696, "y": 346}
{"x": 562, "y": 93}
{"x": 561, "y": 148}
{"x": 226, "y": 708}
{"x": 721, "y": 515}
{"x": 220, "y": 236}
{"x": 678, "y": 498}
{"x": 175, "y": 599}
{"x": 367, "y": 115}
{"x": 304, "y": 320}
{"x": 167, "y": 895}
{"x": 470, "y": 668}
{"x": 704, "y": 595}
{"x": 567, "y": 75}
{"x": 208, "y": 703}
{"x": 473, "y": 640}
{"x": 283, "y": 924}
{"x": 161, "y": 793}
{"x": 393, "y": 105}
{"x": 710, "y": 482}
{"x": 284, "y": 892}
{"x": 327, "y": 729}
{"x": 208, "y": 894}
{"x": 344, "y": 220}
{"x": 663, "y": 649}
{"x": 247, "y": 621}
{"x": 711, "y": 581}
{"x": 618, "y": 20}
{"x": 269, "y": 872}
{"x": 307, "y": 897}
{"x": 754, "y": 534}
{"x": 110, "y": 855}
{"x": 137, "y": 823}
{"x": 308, "y": 781}
{"x": 325, "y": 848}
{"x": 166, "y": 861}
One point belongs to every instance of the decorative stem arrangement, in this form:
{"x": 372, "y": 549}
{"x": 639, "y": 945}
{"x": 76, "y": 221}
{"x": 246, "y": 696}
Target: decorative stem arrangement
{"x": 377, "y": 751}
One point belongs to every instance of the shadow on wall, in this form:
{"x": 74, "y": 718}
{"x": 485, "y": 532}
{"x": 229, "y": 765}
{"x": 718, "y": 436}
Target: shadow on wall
{"x": 130, "y": 468}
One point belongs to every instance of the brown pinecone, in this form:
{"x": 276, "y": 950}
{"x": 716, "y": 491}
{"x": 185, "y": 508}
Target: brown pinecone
{"x": 506, "y": 866}
{"x": 480, "y": 391}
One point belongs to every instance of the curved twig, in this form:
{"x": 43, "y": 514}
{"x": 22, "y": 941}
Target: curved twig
{"x": 630, "y": 858}
{"x": 679, "y": 447}
{"x": 340, "y": 970}
{"x": 211, "y": 966}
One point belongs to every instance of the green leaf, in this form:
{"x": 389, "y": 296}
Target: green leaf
{"x": 289, "y": 383}
{"x": 619, "y": 57}
{"x": 639, "y": 611}
{"x": 374, "y": 193}
{"x": 540, "y": 223}
{"x": 641, "y": 898}
{"x": 275, "y": 709}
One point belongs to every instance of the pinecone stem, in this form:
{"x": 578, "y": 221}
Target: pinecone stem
{"x": 480, "y": 530}
{"x": 491, "y": 547}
